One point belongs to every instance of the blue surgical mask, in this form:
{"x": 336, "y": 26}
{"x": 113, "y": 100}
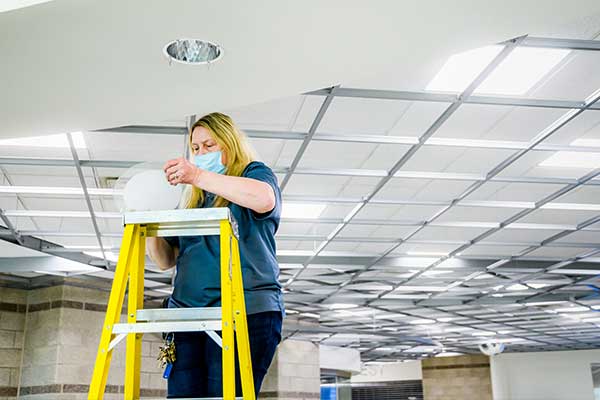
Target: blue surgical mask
{"x": 210, "y": 162}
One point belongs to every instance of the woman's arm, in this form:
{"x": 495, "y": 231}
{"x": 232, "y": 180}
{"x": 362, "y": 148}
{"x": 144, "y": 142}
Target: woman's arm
{"x": 246, "y": 192}
{"x": 161, "y": 252}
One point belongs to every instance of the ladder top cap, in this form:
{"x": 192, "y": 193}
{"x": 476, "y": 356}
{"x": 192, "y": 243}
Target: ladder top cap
{"x": 174, "y": 216}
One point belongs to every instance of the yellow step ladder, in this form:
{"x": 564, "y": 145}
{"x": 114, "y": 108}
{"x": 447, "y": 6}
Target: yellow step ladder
{"x": 230, "y": 318}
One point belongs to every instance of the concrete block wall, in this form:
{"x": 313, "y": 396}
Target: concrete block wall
{"x": 13, "y": 305}
{"x": 49, "y": 338}
{"x": 457, "y": 378}
{"x": 60, "y": 335}
{"x": 295, "y": 372}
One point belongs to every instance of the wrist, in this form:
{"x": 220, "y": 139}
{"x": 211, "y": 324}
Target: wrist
{"x": 199, "y": 178}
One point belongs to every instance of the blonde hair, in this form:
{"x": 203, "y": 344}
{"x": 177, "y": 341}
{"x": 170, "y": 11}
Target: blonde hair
{"x": 232, "y": 142}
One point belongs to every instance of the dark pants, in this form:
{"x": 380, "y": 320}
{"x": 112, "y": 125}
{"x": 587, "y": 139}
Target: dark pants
{"x": 197, "y": 371}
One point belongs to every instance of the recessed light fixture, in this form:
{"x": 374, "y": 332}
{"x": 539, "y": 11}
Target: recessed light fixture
{"x": 193, "y": 51}
{"x": 518, "y": 73}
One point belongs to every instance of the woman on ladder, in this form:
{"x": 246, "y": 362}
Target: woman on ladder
{"x": 223, "y": 173}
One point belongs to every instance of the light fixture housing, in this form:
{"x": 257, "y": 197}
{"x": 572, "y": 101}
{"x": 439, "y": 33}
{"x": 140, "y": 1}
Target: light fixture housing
{"x": 193, "y": 51}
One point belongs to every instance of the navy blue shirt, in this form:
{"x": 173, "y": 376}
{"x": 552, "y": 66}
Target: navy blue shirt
{"x": 198, "y": 277}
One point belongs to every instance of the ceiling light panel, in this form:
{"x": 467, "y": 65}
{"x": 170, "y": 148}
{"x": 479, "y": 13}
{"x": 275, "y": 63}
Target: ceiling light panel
{"x": 46, "y": 141}
{"x": 427, "y": 251}
{"x": 288, "y": 227}
{"x": 521, "y": 70}
{"x": 295, "y": 210}
{"x": 575, "y": 160}
{"x": 396, "y": 212}
{"x": 516, "y": 75}
{"x": 362, "y": 116}
{"x": 40, "y": 152}
{"x": 531, "y": 165}
{"x": 375, "y": 231}
{"x": 461, "y": 69}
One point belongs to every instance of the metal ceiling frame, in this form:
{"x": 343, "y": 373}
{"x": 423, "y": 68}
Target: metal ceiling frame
{"x": 440, "y": 302}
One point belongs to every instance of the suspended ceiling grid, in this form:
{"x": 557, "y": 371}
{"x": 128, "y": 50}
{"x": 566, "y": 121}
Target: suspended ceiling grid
{"x": 441, "y": 230}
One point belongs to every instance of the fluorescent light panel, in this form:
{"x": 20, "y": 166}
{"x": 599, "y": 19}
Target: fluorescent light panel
{"x": 58, "y": 190}
{"x": 586, "y": 142}
{"x": 53, "y": 141}
{"x": 302, "y": 210}
{"x": 59, "y": 214}
{"x": 421, "y": 288}
{"x": 572, "y": 159}
{"x": 516, "y": 75}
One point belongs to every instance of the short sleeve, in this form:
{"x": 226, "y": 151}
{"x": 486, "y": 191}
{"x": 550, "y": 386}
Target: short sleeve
{"x": 172, "y": 240}
{"x": 260, "y": 172}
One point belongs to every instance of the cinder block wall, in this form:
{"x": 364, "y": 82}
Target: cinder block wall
{"x": 13, "y": 305}
{"x": 295, "y": 372}
{"x": 49, "y": 338}
{"x": 62, "y": 331}
{"x": 457, "y": 378}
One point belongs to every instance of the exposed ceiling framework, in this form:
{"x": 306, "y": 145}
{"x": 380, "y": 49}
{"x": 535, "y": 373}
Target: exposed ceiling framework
{"x": 439, "y": 221}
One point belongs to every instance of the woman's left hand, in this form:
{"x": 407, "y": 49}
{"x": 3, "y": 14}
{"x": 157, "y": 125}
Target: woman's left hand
{"x": 180, "y": 170}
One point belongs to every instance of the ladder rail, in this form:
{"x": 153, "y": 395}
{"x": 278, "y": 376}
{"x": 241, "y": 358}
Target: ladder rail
{"x": 230, "y": 318}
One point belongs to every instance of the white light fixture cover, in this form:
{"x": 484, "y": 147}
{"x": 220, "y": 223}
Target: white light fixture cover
{"x": 517, "y": 74}
{"x": 572, "y": 159}
{"x": 52, "y": 141}
{"x": 302, "y": 210}
{"x": 586, "y": 142}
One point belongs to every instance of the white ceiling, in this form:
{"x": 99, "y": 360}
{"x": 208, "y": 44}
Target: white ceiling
{"x": 73, "y": 66}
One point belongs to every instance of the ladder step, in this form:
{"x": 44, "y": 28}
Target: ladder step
{"x": 207, "y": 398}
{"x": 179, "y": 314}
{"x": 168, "y": 326}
